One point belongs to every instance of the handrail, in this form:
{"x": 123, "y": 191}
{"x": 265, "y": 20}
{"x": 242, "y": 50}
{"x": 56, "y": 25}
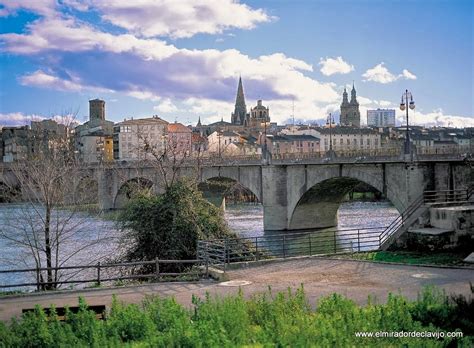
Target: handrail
{"x": 431, "y": 196}
{"x": 98, "y": 279}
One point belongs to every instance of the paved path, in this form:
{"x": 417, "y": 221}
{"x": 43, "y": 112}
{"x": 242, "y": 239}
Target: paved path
{"x": 321, "y": 277}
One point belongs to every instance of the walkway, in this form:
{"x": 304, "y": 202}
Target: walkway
{"x": 320, "y": 277}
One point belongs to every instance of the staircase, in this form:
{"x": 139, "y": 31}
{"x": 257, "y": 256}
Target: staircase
{"x": 420, "y": 206}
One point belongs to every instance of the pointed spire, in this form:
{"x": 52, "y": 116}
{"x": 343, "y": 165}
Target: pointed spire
{"x": 344, "y": 97}
{"x": 240, "y": 110}
{"x": 354, "y": 94}
{"x": 199, "y": 122}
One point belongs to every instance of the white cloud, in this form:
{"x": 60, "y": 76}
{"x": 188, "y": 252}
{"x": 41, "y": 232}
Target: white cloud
{"x": 408, "y": 75}
{"x": 46, "y": 80}
{"x": 434, "y": 118}
{"x": 42, "y": 79}
{"x": 71, "y": 35}
{"x": 42, "y": 7}
{"x": 18, "y": 119}
{"x": 331, "y": 66}
{"x": 381, "y": 74}
{"x": 181, "y": 73}
{"x": 176, "y": 19}
{"x": 21, "y": 119}
{"x": 166, "y": 106}
{"x": 384, "y": 103}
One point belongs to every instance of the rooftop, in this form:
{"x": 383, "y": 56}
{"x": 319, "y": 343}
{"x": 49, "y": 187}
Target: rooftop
{"x": 142, "y": 121}
{"x": 178, "y": 128}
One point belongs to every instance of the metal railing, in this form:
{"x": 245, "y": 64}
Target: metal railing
{"x": 446, "y": 196}
{"x": 221, "y": 252}
{"x": 96, "y": 274}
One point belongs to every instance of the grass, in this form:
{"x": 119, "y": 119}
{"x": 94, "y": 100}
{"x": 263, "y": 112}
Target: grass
{"x": 285, "y": 319}
{"x": 412, "y": 257}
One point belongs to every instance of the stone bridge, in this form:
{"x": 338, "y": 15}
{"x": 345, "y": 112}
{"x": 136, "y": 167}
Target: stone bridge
{"x": 295, "y": 195}
{"x": 303, "y": 196}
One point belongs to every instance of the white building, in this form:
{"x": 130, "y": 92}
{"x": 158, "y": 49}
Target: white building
{"x": 140, "y": 139}
{"x": 381, "y": 118}
{"x": 220, "y": 142}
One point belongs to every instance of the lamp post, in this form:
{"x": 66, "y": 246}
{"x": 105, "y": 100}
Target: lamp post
{"x": 219, "y": 145}
{"x": 265, "y": 141}
{"x": 330, "y": 121}
{"x": 403, "y": 106}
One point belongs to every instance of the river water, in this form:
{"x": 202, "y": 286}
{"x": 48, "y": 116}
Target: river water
{"x": 246, "y": 220}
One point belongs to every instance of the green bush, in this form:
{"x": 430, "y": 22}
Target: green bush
{"x": 266, "y": 320}
{"x": 177, "y": 218}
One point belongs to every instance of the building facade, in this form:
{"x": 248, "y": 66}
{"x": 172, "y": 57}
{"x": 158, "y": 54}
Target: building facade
{"x": 219, "y": 142}
{"x": 286, "y": 143}
{"x": 179, "y": 139}
{"x": 140, "y": 139}
{"x": 349, "y": 139}
{"x": 381, "y": 118}
{"x": 350, "y": 114}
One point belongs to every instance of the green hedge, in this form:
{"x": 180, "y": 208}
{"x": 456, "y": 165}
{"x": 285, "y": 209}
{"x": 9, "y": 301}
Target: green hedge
{"x": 267, "y": 320}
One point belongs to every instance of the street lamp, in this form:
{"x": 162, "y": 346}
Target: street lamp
{"x": 330, "y": 121}
{"x": 403, "y": 106}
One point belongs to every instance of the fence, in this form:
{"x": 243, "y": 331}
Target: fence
{"x": 97, "y": 274}
{"x": 221, "y": 252}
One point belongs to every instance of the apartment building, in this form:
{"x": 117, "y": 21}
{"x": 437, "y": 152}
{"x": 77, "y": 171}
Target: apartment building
{"x": 140, "y": 139}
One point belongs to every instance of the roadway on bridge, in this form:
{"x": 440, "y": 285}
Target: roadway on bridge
{"x": 356, "y": 280}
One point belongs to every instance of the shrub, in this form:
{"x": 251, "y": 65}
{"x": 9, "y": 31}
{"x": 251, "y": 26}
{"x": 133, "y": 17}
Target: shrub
{"x": 178, "y": 218}
{"x": 266, "y": 320}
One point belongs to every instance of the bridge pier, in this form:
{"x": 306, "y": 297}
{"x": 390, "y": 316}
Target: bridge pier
{"x": 108, "y": 189}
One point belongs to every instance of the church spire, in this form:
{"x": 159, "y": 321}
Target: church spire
{"x": 240, "y": 111}
{"x": 354, "y": 95}
{"x": 345, "y": 101}
{"x": 199, "y": 122}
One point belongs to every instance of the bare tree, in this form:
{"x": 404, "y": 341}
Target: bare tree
{"x": 50, "y": 227}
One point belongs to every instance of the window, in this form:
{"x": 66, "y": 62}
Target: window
{"x": 348, "y": 141}
{"x": 341, "y": 141}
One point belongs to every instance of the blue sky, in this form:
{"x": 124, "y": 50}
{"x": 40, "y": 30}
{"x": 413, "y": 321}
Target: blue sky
{"x": 181, "y": 60}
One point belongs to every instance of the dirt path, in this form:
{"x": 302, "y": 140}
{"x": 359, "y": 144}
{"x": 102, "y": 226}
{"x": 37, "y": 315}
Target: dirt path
{"x": 356, "y": 280}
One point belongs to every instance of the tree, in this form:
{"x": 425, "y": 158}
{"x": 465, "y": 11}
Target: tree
{"x": 168, "y": 226}
{"x": 50, "y": 228}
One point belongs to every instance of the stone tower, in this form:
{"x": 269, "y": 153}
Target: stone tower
{"x": 350, "y": 114}
{"x": 96, "y": 109}
{"x": 239, "y": 116}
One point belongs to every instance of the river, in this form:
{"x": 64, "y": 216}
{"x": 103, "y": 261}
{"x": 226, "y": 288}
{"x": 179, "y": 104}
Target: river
{"x": 246, "y": 220}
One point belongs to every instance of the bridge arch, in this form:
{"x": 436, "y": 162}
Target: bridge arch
{"x": 318, "y": 204}
{"x": 215, "y": 189}
{"x": 129, "y": 189}
{"x": 248, "y": 177}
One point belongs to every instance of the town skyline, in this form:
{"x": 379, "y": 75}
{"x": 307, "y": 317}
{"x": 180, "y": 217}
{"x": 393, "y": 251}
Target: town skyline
{"x": 189, "y": 67}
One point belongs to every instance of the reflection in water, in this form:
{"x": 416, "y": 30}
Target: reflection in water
{"x": 370, "y": 217}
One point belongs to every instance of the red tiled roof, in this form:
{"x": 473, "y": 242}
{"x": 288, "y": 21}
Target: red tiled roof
{"x": 178, "y": 128}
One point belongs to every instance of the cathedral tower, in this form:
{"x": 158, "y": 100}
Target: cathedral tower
{"x": 350, "y": 114}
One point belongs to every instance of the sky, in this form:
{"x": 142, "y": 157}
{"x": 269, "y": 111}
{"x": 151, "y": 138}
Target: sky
{"x": 181, "y": 59}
